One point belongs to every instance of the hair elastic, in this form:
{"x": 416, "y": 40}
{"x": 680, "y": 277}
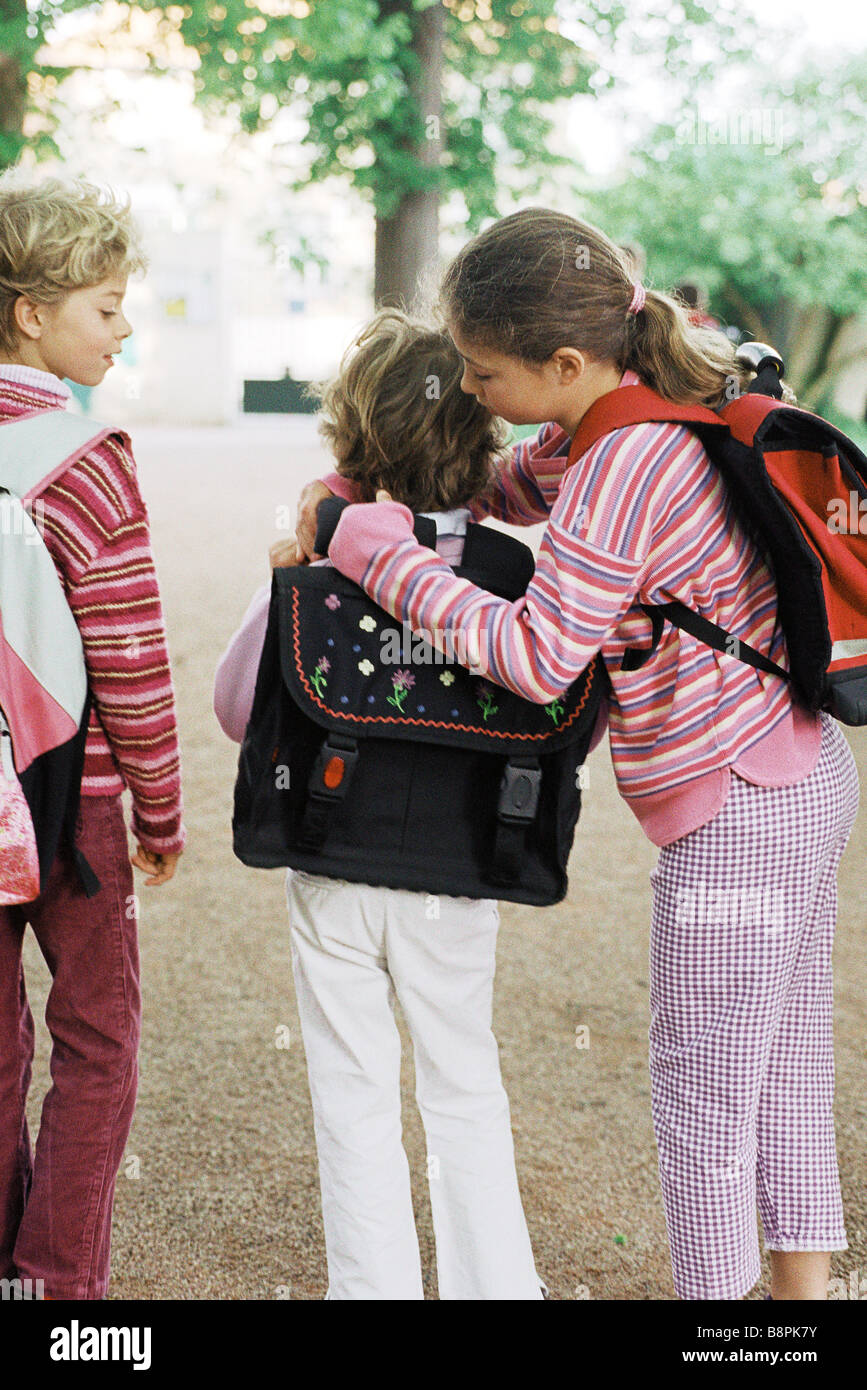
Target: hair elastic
{"x": 638, "y": 298}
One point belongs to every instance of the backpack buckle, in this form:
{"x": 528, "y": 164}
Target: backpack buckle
{"x": 333, "y": 769}
{"x": 519, "y": 793}
{"x": 326, "y": 786}
{"x": 517, "y": 807}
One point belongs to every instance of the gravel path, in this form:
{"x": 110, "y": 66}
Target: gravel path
{"x": 218, "y": 1197}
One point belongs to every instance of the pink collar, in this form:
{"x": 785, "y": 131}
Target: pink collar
{"x": 32, "y": 376}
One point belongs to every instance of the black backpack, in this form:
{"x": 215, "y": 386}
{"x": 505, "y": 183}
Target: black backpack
{"x": 372, "y": 756}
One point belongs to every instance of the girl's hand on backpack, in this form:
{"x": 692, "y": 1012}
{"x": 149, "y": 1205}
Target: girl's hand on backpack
{"x": 160, "y": 866}
{"x": 308, "y": 505}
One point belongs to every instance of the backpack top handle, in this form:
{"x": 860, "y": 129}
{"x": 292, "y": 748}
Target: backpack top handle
{"x": 768, "y": 366}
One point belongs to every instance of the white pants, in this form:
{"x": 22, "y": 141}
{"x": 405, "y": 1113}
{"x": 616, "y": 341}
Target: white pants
{"x": 354, "y": 949}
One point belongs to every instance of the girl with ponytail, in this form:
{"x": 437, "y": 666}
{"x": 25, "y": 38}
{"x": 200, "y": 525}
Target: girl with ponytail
{"x": 749, "y": 796}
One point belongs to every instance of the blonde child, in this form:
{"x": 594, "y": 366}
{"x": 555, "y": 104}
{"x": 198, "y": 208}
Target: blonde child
{"x": 66, "y": 251}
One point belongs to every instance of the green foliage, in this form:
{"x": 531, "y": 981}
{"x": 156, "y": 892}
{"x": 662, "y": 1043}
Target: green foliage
{"x": 856, "y": 429}
{"x": 23, "y": 28}
{"x": 350, "y": 66}
{"x": 765, "y": 206}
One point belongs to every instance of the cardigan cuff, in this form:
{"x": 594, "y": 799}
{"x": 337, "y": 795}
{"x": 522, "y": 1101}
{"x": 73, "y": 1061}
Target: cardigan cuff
{"x": 364, "y": 528}
{"x": 340, "y": 486}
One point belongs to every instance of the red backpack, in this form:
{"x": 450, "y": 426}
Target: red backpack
{"x": 799, "y": 487}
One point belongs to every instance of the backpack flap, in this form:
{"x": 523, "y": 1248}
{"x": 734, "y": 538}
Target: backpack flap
{"x": 352, "y": 668}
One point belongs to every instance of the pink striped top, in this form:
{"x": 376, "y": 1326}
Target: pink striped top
{"x": 96, "y": 531}
{"x": 641, "y": 517}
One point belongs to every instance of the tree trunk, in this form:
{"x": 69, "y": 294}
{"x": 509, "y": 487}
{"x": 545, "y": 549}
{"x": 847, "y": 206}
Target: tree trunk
{"x": 13, "y": 82}
{"x": 407, "y": 243}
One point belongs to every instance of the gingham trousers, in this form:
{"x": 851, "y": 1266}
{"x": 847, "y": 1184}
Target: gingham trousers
{"x": 741, "y": 1053}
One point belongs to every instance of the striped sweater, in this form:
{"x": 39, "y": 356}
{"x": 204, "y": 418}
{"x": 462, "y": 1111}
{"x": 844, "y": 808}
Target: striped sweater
{"x": 641, "y": 517}
{"x": 95, "y": 527}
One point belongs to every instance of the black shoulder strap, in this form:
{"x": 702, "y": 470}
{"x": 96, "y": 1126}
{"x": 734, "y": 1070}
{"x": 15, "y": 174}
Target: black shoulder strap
{"x": 703, "y": 630}
{"x": 490, "y": 557}
{"x": 88, "y": 879}
{"x": 502, "y": 558}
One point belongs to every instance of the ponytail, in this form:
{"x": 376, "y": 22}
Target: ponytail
{"x": 684, "y": 362}
{"x": 539, "y": 280}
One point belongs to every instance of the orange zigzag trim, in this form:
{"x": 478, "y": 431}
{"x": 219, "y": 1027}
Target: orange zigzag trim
{"x": 421, "y": 723}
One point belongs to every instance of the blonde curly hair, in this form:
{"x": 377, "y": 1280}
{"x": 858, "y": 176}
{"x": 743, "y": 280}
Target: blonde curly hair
{"x": 395, "y": 417}
{"x": 58, "y": 236}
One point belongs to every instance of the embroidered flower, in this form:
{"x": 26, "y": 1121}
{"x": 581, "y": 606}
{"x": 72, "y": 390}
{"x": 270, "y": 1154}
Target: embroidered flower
{"x": 555, "y": 709}
{"x": 318, "y": 677}
{"x": 402, "y": 682}
{"x": 366, "y": 667}
{"x": 485, "y": 700}
{"x": 447, "y": 678}
{"x": 367, "y": 623}
{"x": 332, "y": 602}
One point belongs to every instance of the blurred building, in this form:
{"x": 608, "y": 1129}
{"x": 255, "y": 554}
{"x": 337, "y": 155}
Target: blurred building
{"x": 246, "y": 279}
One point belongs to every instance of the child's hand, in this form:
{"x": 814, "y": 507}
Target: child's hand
{"x": 161, "y": 866}
{"x": 284, "y": 553}
{"x": 308, "y": 505}
{"x": 383, "y": 496}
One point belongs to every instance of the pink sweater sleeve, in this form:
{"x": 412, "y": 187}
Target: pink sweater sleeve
{"x": 587, "y": 573}
{"x": 341, "y": 487}
{"x": 525, "y": 485}
{"x": 114, "y": 596}
{"x": 235, "y": 682}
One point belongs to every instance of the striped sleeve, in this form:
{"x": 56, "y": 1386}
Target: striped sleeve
{"x": 96, "y": 524}
{"x": 524, "y": 488}
{"x": 587, "y": 574}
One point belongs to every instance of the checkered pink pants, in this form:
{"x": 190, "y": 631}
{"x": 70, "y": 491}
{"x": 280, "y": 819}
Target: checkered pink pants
{"x": 741, "y": 1054}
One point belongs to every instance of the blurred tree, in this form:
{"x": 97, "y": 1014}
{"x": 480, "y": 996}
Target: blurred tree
{"x": 412, "y": 99}
{"x": 765, "y": 205}
{"x": 408, "y": 99}
{"x": 26, "y": 84}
